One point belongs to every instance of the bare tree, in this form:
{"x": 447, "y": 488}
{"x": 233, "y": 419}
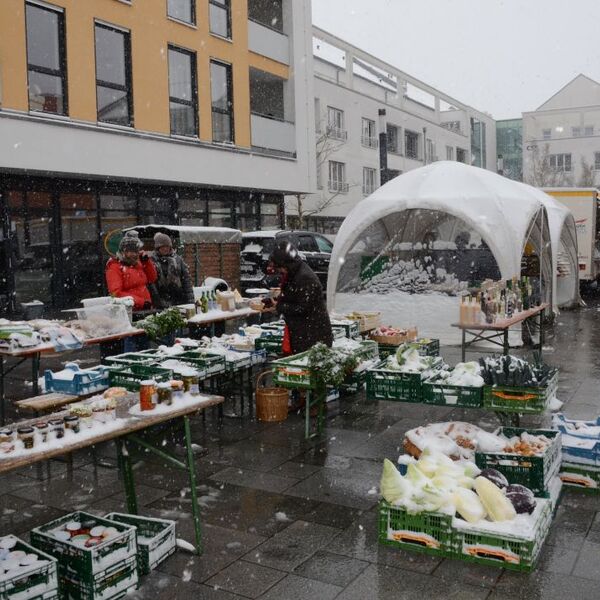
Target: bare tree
{"x": 588, "y": 175}
{"x": 542, "y": 173}
{"x": 328, "y": 142}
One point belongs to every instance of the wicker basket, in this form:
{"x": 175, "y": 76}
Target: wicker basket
{"x": 271, "y": 402}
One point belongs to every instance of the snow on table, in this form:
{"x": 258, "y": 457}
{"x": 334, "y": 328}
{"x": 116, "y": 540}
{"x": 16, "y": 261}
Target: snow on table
{"x": 221, "y": 315}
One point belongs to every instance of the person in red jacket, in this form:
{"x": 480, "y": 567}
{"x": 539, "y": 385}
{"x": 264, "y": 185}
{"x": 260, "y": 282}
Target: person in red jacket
{"x": 131, "y": 272}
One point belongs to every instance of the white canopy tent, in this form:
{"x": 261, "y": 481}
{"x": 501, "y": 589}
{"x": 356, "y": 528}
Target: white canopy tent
{"x": 427, "y": 236}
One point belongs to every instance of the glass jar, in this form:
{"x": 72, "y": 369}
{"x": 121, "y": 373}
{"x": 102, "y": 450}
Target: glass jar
{"x": 191, "y": 382}
{"x": 177, "y": 387}
{"x": 42, "y": 429}
{"x": 26, "y": 435}
{"x": 164, "y": 394}
{"x": 148, "y": 395}
{"x": 72, "y": 423}
{"x": 7, "y": 447}
{"x": 6, "y": 435}
{"x": 57, "y": 427}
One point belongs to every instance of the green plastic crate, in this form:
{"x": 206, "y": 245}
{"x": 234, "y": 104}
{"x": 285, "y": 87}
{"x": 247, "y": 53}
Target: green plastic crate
{"x": 32, "y": 582}
{"x": 534, "y": 472}
{"x": 428, "y": 347}
{"x": 211, "y": 364}
{"x": 368, "y": 350}
{"x": 132, "y": 358}
{"x": 383, "y": 384}
{"x": 156, "y": 539}
{"x": 288, "y": 373}
{"x": 443, "y": 394}
{"x": 355, "y": 382}
{"x": 427, "y": 532}
{"x": 349, "y": 327}
{"x": 583, "y": 477}
{"x": 131, "y": 376}
{"x": 504, "y": 550}
{"x": 271, "y": 343}
{"x": 85, "y": 563}
{"x": 522, "y": 400}
{"x": 110, "y": 584}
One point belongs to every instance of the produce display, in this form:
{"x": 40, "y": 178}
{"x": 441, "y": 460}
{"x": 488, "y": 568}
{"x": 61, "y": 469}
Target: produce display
{"x": 163, "y": 323}
{"x": 459, "y": 440}
{"x": 512, "y": 371}
{"x": 464, "y": 374}
{"x": 408, "y": 360}
{"x": 435, "y": 483}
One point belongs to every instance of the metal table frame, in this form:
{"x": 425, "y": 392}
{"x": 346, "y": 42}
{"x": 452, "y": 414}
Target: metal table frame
{"x": 128, "y": 436}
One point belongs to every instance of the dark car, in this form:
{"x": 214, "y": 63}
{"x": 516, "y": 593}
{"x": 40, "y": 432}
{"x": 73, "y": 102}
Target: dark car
{"x": 257, "y": 246}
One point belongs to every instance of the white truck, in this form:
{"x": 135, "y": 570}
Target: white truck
{"x": 583, "y": 203}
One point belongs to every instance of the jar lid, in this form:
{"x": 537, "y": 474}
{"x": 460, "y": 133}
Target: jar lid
{"x": 25, "y": 430}
{"x": 55, "y": 422}
{"x": 148, "y": 382}
{"x": 164, "y": 386}
{"x": 6, "y": 431}
{"x": 71, "y": 418}
{"x": 41, "y": 425}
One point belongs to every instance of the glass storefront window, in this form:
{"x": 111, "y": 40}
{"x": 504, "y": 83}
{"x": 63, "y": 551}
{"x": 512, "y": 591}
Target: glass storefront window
{"x": 219, "y": 213}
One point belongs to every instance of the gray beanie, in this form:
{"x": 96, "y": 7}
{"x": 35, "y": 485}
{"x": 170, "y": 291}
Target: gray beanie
{"x": 130, "y": 241}
{"x": 162, "y": 239}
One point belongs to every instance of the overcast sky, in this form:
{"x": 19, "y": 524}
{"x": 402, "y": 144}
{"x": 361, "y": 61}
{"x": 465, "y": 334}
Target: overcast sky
{"x": 499, "y": 56}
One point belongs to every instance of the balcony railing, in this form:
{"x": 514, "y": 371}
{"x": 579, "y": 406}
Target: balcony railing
{"x": 273, "y": 134}
{"x": 268, "y": 42}
{"x": 335, "y": 133}
{"x": 338, "y": 186}
{"x": 369, "y": 142}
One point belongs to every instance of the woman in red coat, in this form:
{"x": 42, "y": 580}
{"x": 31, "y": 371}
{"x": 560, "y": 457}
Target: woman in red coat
{"x": 131, "y": 272}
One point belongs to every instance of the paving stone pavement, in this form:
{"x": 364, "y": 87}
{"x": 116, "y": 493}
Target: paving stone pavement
{"x": 284, "y": 518}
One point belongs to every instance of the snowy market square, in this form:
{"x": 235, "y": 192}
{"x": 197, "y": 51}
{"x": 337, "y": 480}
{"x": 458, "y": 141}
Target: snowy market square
{"x": 299, "y": 300}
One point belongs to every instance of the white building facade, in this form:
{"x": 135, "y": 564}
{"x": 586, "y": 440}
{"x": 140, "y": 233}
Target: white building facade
{"x": 561, "y": 139}
{"x": 422, "y": 124}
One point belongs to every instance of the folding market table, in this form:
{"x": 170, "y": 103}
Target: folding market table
{"x": 125, "y": 432}
{"x": 497, "y": 333}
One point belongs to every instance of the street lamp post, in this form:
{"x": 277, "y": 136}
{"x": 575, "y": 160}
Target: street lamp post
{"x": 383, "y": 151}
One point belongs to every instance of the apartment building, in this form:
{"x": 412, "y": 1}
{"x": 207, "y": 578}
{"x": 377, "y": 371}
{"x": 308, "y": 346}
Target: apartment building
{"x": 422, "y": 125}
{"x": 123, "y": 112}
{"x": 561, "y": 139}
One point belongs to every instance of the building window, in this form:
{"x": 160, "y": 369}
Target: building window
{"x": 182, "y": 10}
{"x": 267, "y": 97}
{"x": 113, "y": 75}
{"x": 335, "y": 124}
{"x": 46, "y": 64}
{"x": 222, "y": 102}
{"x": 576, "y": 131}
{"x": 588, "y": 130}
{"x": 220, "y": 17}
{"x": 449, "y": 153}
{"x": 560, "y": 162}
{"x": 267, "y": 12}
{"x": 547, "y": 134}
{"x": 430, "y": 151}
{"x": 369, "y": 134}
{"x": 393, "y": 139}
{"x": 337, "y": 177}
{"x": 183, "y": 100}
{"x": 597, "y": 161}
{"x": 369, "y": 177}
{"x": 461, "y": 155}
{"x": 411, "y": 144}
{"x": 319, "y": 177}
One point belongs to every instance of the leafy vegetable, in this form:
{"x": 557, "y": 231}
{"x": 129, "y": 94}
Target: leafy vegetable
{"x": 393, "y": 486}
{"x": 497, "y": 505}
{"x": 161, "y": 324}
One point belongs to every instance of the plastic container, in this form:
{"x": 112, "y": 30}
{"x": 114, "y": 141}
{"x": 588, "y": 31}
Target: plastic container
{"x": 583, "y": 477}
{"x": 383, "y": 384}
{"x": 81, "y": 383}
{"x": 156, "y": 539}
{"x": 133, "y": 358}
{"x": 210, "y": 364}
{"x": 522, "y": 400}
{"x": 290, "y": 372}
{"x": 131, "y": 376}
{"x": 36, "y": 581}
{"x": 81, "y": 562}
{"x": 534, "y": 472}
{"x": 102, "y": 320}
{"x": 443, "y": 394}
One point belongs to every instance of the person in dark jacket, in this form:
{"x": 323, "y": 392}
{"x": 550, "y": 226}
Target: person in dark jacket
{"x": 173, "y": 285}
{"x": 301, "y": 301}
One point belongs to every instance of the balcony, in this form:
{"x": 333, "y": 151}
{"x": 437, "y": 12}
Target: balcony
{"x": 273, "y": 134}
{"x": 369, "y": 142}
{"x": 341, "y": 187}
{"x": 268, "y": 42}
{"x": 335, "y": 133}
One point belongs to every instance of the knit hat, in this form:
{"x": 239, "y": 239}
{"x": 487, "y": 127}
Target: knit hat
{"x": 285, "y": 254}
{"x": 162, "y": 239}
{"x": 130, "y": 241}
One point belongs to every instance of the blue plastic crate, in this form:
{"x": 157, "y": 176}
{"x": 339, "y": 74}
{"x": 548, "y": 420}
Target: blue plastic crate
{"x": 579, "y": 445}
{"x": 84, "y": 381}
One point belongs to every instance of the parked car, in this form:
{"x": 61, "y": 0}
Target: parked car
{"x": 257, "y": 246}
